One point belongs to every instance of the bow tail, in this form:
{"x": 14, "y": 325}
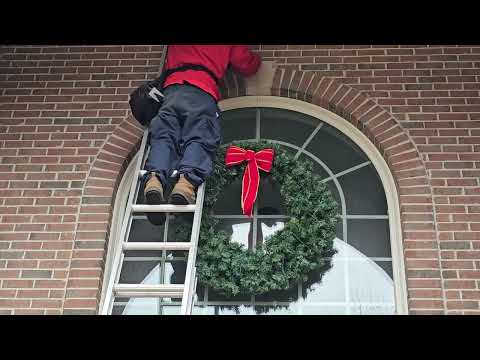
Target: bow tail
{"x": 251, "y": 180}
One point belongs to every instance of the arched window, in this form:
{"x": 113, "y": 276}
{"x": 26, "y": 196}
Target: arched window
{"x": 366, "y": 276}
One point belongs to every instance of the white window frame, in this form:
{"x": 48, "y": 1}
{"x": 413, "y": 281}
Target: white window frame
{"x": 342, "y": 125}
{"x": 117, "y": 219}
{"x": 377, "y": 160}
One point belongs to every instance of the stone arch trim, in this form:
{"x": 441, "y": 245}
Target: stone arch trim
{"x": 421, "y": 252}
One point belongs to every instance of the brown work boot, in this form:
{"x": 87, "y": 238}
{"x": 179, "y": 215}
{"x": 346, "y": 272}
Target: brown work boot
{"x": 183, "y": 192}
{"x": 153, "y": 193}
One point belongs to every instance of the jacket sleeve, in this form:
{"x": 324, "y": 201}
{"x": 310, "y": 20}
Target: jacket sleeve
{"x": 244, "y": 61}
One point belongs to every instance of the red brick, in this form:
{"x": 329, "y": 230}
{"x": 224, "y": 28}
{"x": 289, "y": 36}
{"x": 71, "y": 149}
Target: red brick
{"x": 80, "y": 303}
{"x": 57, "y": 245}
{"x": 462, "y": 305}
{"x": 81, "y": 293}
{"x": 39, "y": 254}
{"x": 421, "y": 254}
{"x": 53, "y": 264}
{"x": 468, "y": 254}
{"x": 426, "y": 304}
{"x": 426, "y": 293}
{"x": 77, "y": 263}
{"x": 18, "y": 284}
{"x": 46, "y": 303}
{"x": 471, "y": 295}
{"x": 83, "y": 283}
{"x": 14, "y": 303}
{"x": 49, "y": 284}
{"x": 35, "y": 293}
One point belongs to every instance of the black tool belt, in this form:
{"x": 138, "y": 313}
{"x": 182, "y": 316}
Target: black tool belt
{"x": 145, "y": 101}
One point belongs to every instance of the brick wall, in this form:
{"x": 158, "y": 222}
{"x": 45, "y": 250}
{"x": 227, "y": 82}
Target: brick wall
{"x": 66, "y": 137}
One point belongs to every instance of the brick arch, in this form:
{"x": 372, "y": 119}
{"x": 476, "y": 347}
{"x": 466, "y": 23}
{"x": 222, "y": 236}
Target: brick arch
{"x": 420, "y": 238}
{"x": 383, "y": 130}
{"x": 95, "y": 218}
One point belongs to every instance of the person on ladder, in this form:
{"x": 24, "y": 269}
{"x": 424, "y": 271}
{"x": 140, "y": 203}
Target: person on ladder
{"x": 185, "y": 134}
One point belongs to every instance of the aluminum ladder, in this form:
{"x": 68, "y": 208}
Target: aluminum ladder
{"x": 184, "y": 291}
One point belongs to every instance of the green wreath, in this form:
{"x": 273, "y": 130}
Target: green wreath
{"x": 285, "y": 257}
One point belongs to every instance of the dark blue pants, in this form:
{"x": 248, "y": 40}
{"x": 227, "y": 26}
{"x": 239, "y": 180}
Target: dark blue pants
{"x": 185, "y": 134}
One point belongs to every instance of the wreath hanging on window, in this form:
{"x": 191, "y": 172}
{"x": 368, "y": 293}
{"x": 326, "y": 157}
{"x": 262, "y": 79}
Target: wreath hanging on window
{"x": 291, "y": 253}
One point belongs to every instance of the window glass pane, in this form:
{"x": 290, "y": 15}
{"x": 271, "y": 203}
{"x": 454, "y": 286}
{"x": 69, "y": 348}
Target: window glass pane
{"x": 386, "y": 266}
{"x": 368, "y": 282}
{"x": 239, "y": 230}
{"x": 335, "y": 149}
{"x": 136, "y": 306}
{"x": 326, "y": 286}
{"x": 369, "y": 236}
{"x": 269, "y": 200}
{"x": 268, "y": 227}
{"x": 369, "y": 309}
{"x": 144, "y": 231}
{"x": 285, "y": 125}
{"x": 140, "y": 272}
{"x": 229, "y": 202}
{"x": 238, "y": 124}
{"x": 324, "y": 310}
{"x": 339, "y": 228}
{"x": 175, "y": 272}
{"x": 279, "y": 295}
{"x": 364, "y": 194}
{"x": 153, "y": 267}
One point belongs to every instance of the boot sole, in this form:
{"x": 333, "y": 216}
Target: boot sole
{"x": 155, "y": 198}
{"x": 177, "y": 199}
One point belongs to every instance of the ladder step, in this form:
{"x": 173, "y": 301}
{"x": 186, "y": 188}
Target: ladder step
{"x": 143, "y": 290}
{"x": 163, "y": 208}
{"x": 157, "y": 246}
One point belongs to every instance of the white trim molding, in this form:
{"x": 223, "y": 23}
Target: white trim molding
{"x": 117, "y": 218}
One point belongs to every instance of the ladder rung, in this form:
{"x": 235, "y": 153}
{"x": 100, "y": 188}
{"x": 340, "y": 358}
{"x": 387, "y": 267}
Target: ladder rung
{"x": 156, "y": 245}
{"x": 143, "y": 290}
{"x": 163, "y": 208}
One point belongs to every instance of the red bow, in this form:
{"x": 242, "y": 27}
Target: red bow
{"x": 251, "y": 177}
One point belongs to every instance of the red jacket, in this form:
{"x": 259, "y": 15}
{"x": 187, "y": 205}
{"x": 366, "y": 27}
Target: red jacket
{"x": 215, "y": 57}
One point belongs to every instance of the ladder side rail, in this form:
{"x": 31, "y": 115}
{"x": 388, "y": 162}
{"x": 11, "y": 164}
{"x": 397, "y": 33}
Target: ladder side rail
{"x": 192, "y": 255}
